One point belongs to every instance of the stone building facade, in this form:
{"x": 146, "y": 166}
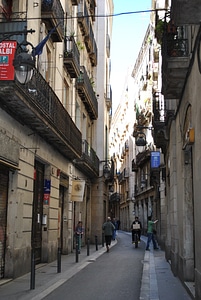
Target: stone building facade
{"x": 178, "y": 135}
{"x": 50, "y": 153}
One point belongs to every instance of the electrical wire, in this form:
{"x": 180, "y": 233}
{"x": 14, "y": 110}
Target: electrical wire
{"x": 101, "y": 16}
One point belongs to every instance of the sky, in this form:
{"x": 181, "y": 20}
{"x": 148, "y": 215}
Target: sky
{"x": 127, "y": 37}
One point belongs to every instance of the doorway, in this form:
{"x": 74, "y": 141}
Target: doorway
{"x": 4, "y": 175}
{"x": 37, "y": 210}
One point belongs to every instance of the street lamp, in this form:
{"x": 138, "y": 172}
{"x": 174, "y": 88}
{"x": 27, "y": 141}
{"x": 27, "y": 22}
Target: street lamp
{"x": 24, "y": 64}
{"x": 106, "y": 171}
{"x": 140, "y": 139}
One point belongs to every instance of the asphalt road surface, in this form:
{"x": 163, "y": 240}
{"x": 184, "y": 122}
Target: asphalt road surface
{"x": 113, "y": 276}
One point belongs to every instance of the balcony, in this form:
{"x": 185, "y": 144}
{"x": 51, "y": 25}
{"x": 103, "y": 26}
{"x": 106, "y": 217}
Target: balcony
{"x": 52, "y": 15}
{"x": 8, "y": 15}
{"x": 87, "y": 94}
{"x": 92, "y": 7}
{"x": 126, "y": 145}
{"x": 185, "y": 12}
{"x": 83, "y": 19}
{"x": 115, "y": 197}
{"x": 142, "y": 157}
{"x": 108, "y": 43}
{"x": 37, "y": 106}
{"x": 94, "y": 51}
{"x": 75, "y": 2}
{"x": 90, "y": 44}
{"x": 159, "y": 121}
{"x": 175, "y": 64}
{"x": 13, "y": 26}
{"x": 89, "y": 162}
{"x": 87, "y": 31}
{"x": 109, "y": 96}
{"x": 123, "y": 175}
{"x": 134, "y": 166}
{"x": 71, "y": 57}
{"x": 126, "y": 173}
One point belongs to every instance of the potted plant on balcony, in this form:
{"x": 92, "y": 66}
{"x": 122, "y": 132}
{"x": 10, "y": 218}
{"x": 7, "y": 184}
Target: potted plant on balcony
{"x": 159, "y": 30}
{"x": 80, "y": 45}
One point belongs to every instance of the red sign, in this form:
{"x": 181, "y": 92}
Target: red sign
{"x": 46, "y": 199}
{"x": 7, "y": 53}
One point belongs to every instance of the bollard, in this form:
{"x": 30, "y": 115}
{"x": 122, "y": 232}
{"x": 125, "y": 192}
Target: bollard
{"x": 32, "y": 283}
{"x": 103, "y": 237}
{"x": 88, "y": 247}
{"x": 59, "y": 260}
{"x": 96, "y": 242}
{"x": 76, "y": 249}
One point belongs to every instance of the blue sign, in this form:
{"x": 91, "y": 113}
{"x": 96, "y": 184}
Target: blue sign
{"x": 47, "y": 186}
{"x": 155, "y": 159}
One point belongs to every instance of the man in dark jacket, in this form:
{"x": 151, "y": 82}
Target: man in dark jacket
{"x": 108, "y": 229}
{"x": 136, "y": 228}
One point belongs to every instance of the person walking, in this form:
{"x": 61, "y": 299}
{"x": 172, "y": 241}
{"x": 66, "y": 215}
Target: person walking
{"x": 150, "y": 235}
{"x": 118, "y": 224}
{"x": 108, "y": 229}
{"x": 115, "y": 229}
{"x": 79, "y": 233}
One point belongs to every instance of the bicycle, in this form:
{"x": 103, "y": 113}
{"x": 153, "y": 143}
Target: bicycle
{"x": 135, "y": 234}
{"x": 135, "y": 239}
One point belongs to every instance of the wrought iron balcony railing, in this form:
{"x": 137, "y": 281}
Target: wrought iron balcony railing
{"x": 87, "y": 31}
{"x": 94, "y": 51}
{"x": 87, "y": 94}
{"x": 90, "y": 44}
{"x": 13, "y": 26}
{"x": 53, "y": 15}
{"x": 12, "y": 16}
{"x": 83, "y": 19}
{"x": 75, "y": 2}
{"x": 71, "y": 57}
{"x": 89, "y": 161}
{"x": 89, "y": 154}
{"x": 175, "y": 47}
{"x": 159, "y": 109}
{"x": 36, "y": 105}
{"x": 142, "y": 157}
{"x": 92, "y": 7}
{"x": 115, "y": 197}
{"x": 134, "y": 166}
{"x": 108, "y": 43}
{"x": 160, "y": 118}
{"x": 121, "y": 177}
{"x": 109, "y": 96}
{"x": 185, "y": 13}
{"x": 175, "y": 61}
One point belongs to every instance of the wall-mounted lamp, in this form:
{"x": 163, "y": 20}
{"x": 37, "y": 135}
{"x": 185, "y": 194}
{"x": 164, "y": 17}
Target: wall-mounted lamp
{"x": 106, "y": 171}
{"x": 24, "y": 64}
{"x": 140, "y": 139}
